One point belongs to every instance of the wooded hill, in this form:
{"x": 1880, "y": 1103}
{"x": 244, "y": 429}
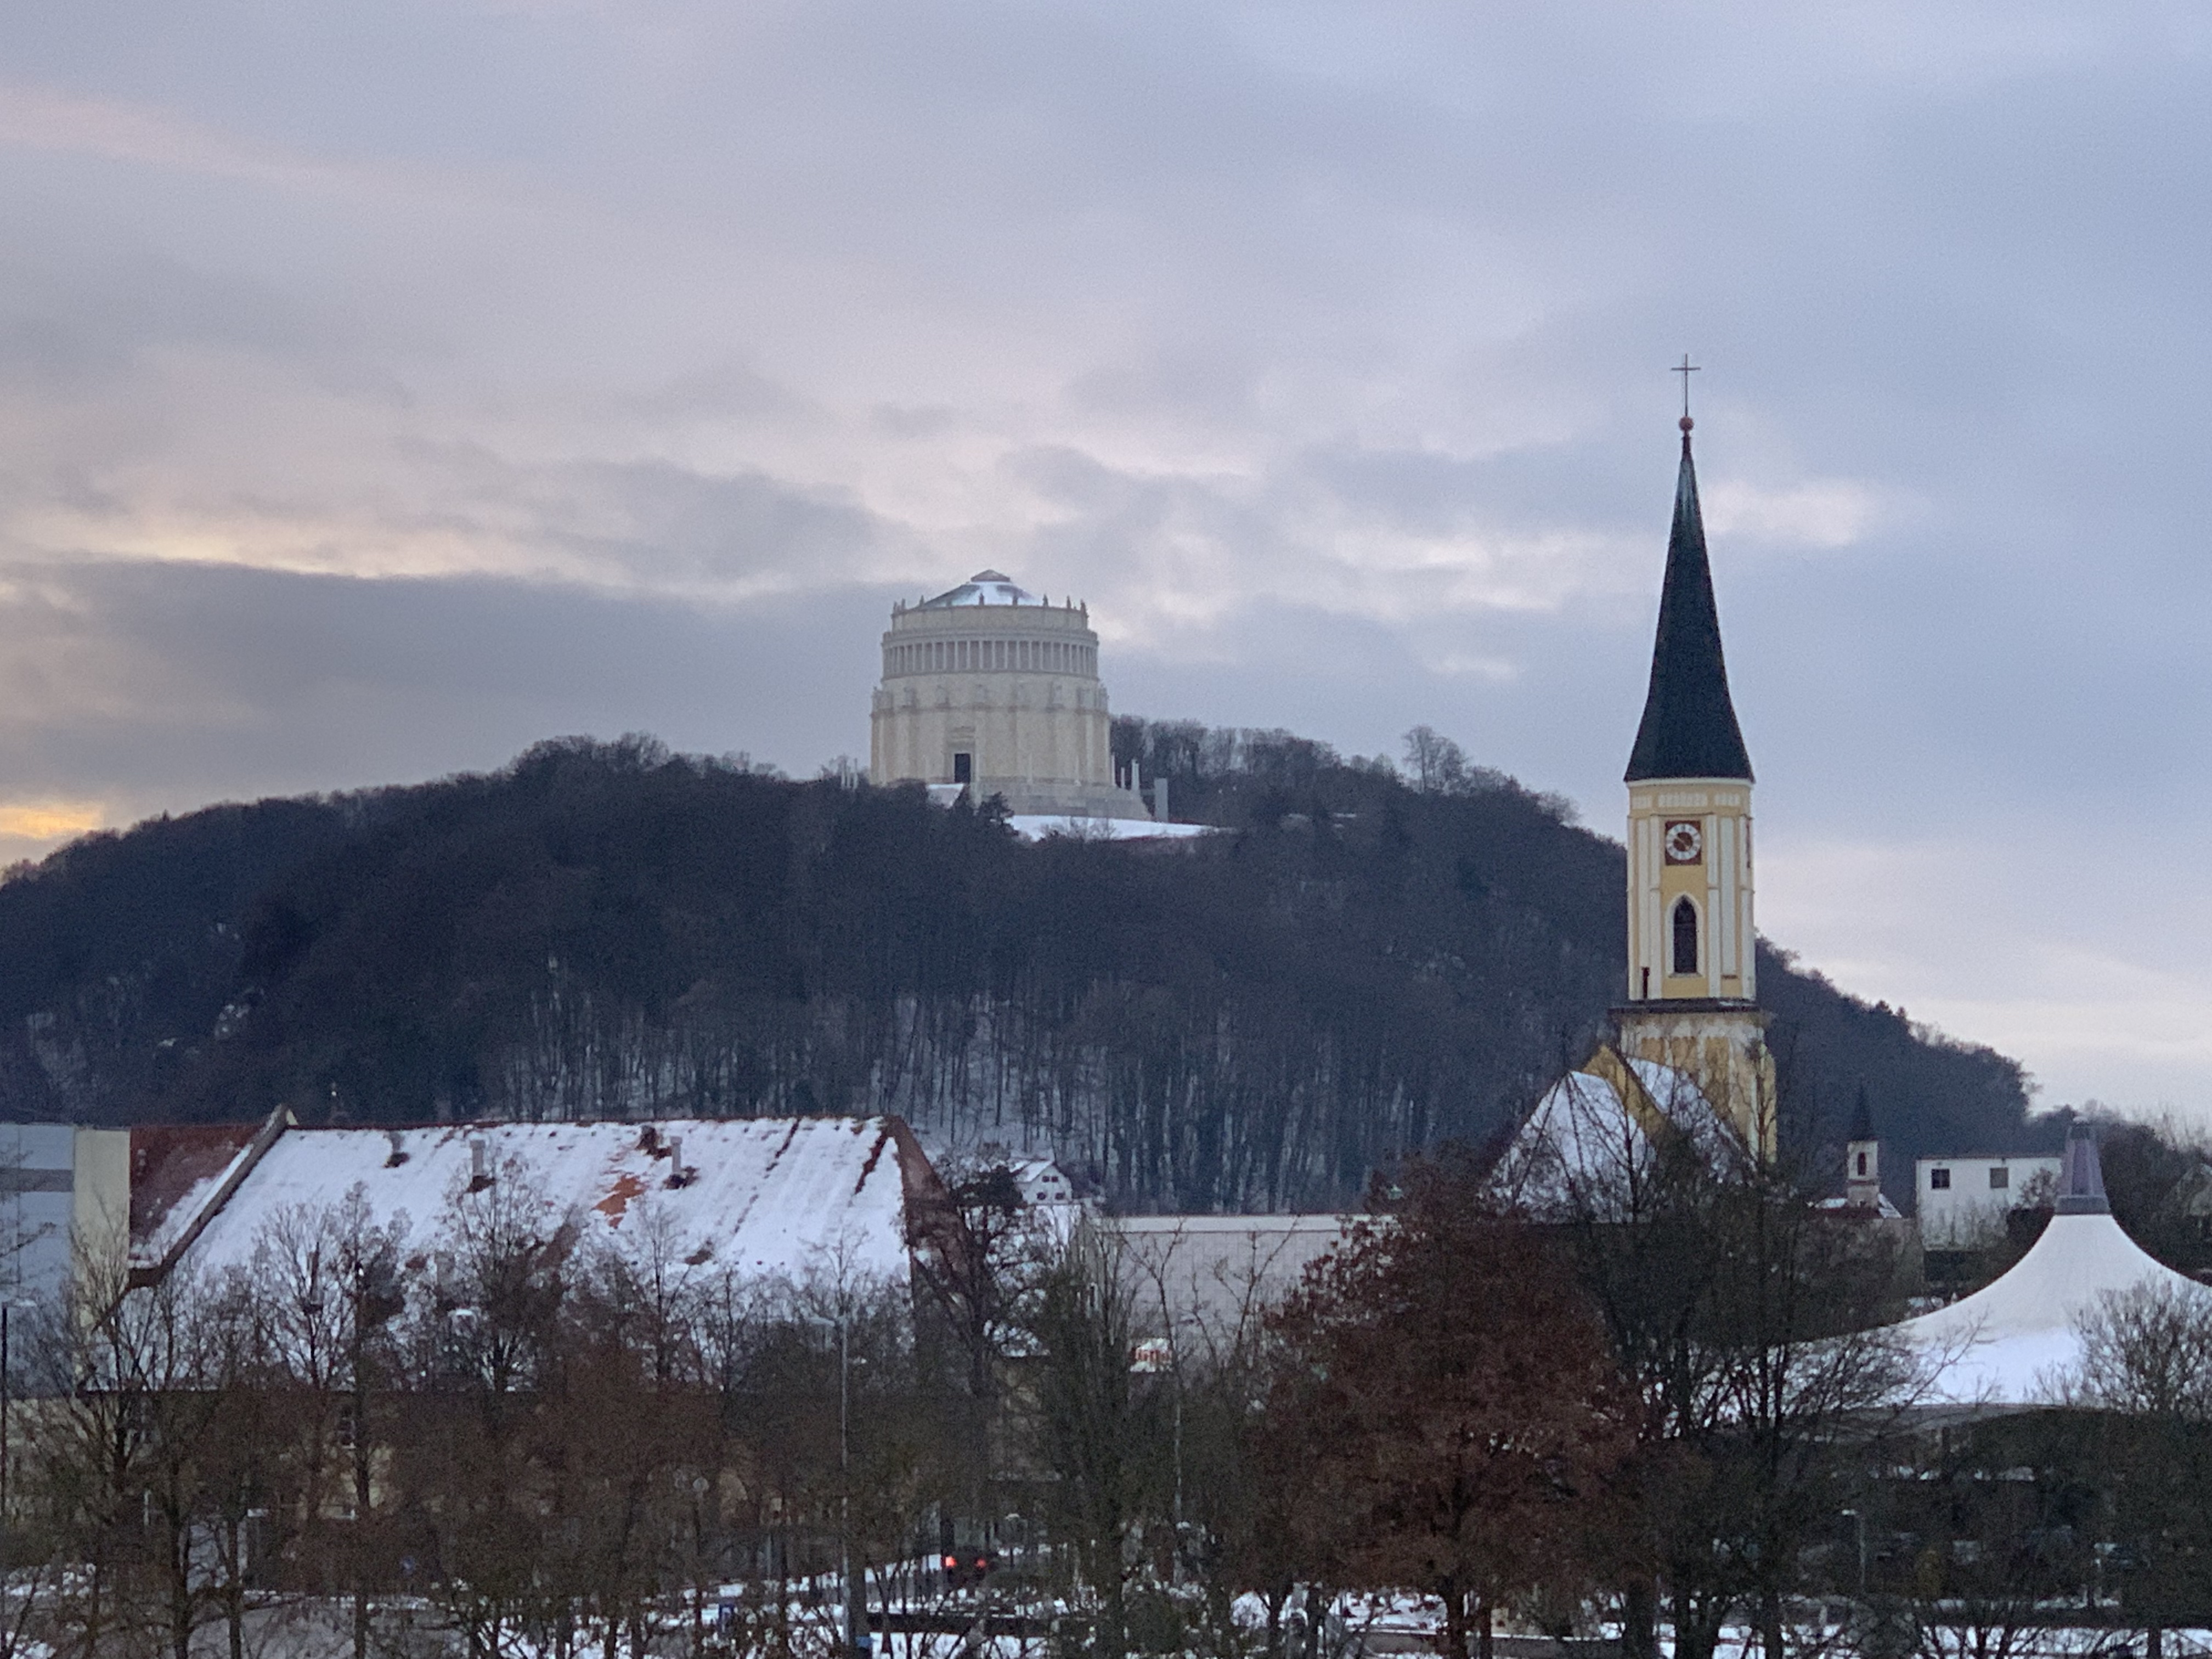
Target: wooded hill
{"x": 1366, "y": 966}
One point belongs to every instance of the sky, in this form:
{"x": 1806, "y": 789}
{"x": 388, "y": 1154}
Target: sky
{"x": 385, "y": 387}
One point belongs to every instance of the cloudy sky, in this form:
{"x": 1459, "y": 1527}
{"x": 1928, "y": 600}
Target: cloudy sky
{"x": 385, "y": 386}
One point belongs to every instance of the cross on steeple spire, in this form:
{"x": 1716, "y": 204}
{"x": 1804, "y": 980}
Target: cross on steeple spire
{"x": 1686, "y": 369}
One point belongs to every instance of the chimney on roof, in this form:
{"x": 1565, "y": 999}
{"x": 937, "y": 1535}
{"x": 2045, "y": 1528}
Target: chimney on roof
{"x": 398, "y": 1150}
{"x": 2081, "y": 1178}
{"x": 677, "y": 1175}
{"x": 480, "y": 1165}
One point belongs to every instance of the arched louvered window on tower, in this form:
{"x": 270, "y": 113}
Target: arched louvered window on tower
{"x": 1685, "y": 937}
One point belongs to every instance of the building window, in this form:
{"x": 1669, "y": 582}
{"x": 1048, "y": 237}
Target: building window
{"x": 2000, "y": 1179}
{"x": 1685, "y": 937}
{"x": 1939, "y": 1180}
{"x": 964, "y": 768}
{"x": 1862, "y": 1163}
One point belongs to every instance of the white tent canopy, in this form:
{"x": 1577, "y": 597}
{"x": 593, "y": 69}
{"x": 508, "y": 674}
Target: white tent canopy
{"x": 2017, "y": 1342}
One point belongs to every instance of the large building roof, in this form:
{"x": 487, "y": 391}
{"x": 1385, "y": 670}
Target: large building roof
{"x": 764, "y": 1197}
{"x": 1596, "y": 1138}
{"x": 1689, "y": 729}
{"x": 984, "y": 587}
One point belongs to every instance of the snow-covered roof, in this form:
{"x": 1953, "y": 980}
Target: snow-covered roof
{"x": 1585, "y": 1150}
{"x": 984, "y": 587}
{"x": 1882, "y": 1207}
{"x": 2017, "y": 1342}
{"x": 762, "y": 1196}
{"x": 177, "y": 1174}
{"x": 1041, "y": 1181}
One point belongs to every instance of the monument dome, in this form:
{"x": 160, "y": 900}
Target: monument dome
{"x": 990, "y": 688}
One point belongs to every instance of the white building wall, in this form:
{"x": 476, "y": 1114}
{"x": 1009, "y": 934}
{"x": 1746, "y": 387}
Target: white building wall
{"x": 64, "y": 1196}
{"x": 1962, "y": 1201}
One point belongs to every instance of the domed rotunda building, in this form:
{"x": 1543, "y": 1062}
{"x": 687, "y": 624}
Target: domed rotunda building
{"x": 988, "y": 686}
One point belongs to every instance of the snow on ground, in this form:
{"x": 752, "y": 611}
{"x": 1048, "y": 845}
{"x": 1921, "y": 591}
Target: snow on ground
{"x": 1036, "y": 826}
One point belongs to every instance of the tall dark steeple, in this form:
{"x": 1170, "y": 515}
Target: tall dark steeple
{"x": 1861, "y": 1117}
{"x": 1689, "y": 729}
{"x": 1692, "y": 941}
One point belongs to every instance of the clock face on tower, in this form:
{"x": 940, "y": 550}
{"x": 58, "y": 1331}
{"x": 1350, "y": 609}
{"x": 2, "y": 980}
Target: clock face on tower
{"x": 1686, "y": 842}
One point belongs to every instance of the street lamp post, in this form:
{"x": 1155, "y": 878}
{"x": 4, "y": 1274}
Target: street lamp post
{"x": 857, "y": 1644}
{"x": 6, "y": 1426}
{"x": 1858, "y": 1526}
{"x": 856, "y": 1641}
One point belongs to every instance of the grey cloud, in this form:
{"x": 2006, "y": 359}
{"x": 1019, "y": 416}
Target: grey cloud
{"x": 73, "y": 320}
{"x": 211, "y": 681}
{"x": 1162, "y": 304}
{"x": 665, "y": 525}
{"x": 725, "y": 391}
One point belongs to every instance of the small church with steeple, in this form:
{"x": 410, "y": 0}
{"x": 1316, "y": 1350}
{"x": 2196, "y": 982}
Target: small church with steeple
{"x": 1688, "y": 1055}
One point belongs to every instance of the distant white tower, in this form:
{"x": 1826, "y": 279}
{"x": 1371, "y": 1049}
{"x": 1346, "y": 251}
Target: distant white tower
{"x": 987, "y": 686}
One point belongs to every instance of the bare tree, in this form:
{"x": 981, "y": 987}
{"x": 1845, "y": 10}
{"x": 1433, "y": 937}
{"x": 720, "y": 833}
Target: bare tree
{"x": 324, "y": 1287}
{"x": 2146, "y": 1371}
{"x": 1099, "y": 1437}
{"x": 1750, "y": 1323}
{"x": 1437, "y": 765}
{"x": 2149, "y": 1352}
{"x": 483, "y": 1344}
{"x": 142, "y": 1455}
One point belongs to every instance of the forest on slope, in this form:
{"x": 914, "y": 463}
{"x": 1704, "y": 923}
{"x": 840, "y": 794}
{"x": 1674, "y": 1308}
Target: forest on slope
{"x": 1369, "y": 963}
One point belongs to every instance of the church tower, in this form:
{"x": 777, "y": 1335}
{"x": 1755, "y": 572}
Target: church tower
{"x": 1692, "y": 968}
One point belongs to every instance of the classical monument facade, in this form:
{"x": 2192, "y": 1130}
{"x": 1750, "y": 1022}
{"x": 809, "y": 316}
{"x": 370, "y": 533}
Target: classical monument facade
{"x": 989, "y": 688}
